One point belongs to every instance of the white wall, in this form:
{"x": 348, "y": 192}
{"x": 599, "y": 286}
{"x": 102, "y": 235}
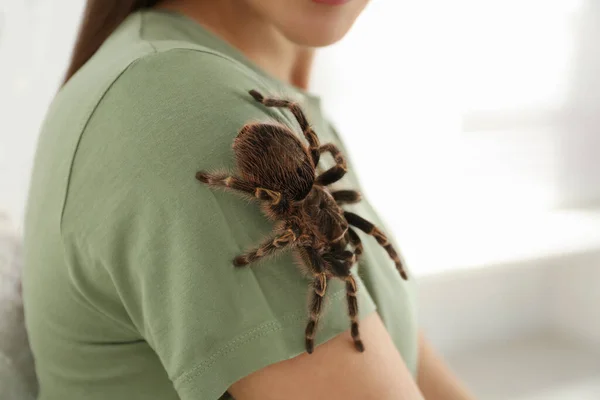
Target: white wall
{"x": 580, "y": 141}
{"x": 407, "y": 83}
{"x": 575, "y": 297}
{"x": 35, "y": 41}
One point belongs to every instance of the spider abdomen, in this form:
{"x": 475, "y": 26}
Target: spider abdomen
{"x": 271, "y": 156}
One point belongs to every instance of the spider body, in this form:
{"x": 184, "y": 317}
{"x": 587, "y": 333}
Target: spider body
{"x": 274, "y": 167}
{"x": 269, "y": 156}
{"x": 323, "y": 217}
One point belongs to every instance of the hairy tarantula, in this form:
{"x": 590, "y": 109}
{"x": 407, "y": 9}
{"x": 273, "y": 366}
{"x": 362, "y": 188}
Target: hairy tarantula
{"x": 278, "y": 170}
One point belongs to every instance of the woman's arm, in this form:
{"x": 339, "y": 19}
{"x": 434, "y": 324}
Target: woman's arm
{"x": 435, "y": 379}
{"x": 336, "y": 371}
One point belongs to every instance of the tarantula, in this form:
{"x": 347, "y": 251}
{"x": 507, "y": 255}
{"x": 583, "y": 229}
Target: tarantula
{"x": 278, "y": 170}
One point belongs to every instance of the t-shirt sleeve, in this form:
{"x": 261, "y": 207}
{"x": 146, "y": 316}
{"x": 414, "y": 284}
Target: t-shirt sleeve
{"x": 167, "y": 242}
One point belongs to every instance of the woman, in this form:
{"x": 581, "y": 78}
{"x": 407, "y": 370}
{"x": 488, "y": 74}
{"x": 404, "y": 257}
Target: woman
{"x": 129, "y": 288}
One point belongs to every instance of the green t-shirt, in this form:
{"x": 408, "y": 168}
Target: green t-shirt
{"x": 130, "y": 291}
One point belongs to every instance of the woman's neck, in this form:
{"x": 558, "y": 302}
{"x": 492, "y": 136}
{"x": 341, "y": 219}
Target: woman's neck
{"x": 243, "y": 28}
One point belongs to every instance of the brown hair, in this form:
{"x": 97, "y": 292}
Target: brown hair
{"x": 100, "y": 19}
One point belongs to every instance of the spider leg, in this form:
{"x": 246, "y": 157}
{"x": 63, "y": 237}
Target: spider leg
{"x": 346, "y": 196}
{"x": 234, "y": 183}
{"x": 381, "y": 238}
{"x": 341, "y": 270}
{"x": 309, "y": 134}
{"x": 341, "y": 261}
{"x": 335, "y": 153}
{"x": 353, "y": 312}
{"x": 268, "y": 195}
{"x": 279, "y": 242}
{"x": 336, "y": 172}
{"x": 319, "y": 287}
{"x": 354, "y": 239}
{"x": 226, "y": 181}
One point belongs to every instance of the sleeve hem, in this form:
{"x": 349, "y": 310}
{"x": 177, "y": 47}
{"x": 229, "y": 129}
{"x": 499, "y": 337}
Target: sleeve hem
{"x": 269, "y": 343}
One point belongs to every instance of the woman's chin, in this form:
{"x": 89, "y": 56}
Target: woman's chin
{"x": 315, "y": 34}
{"x": 312, "y": 24}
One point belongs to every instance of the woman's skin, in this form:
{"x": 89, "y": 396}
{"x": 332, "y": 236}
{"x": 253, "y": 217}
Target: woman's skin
{"x": 277, "y": 35}
{"x": 336, "y": 371}
{"x": 280, "y": 37}
{"x": 435, "y": 379}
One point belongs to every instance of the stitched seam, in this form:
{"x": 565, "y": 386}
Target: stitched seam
{"x": 81, "y": 131}
{"x": 97, "y": 104}
{"x": 70, "y": 173}
{"x": 263, "y": 329}
{"x": 141, "y": 32}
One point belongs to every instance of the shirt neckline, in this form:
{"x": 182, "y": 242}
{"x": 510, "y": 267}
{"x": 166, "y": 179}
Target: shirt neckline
{"x": 202, "y": 36}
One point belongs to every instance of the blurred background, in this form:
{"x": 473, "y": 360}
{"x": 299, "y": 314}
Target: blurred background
{"x": 491, "y": 186}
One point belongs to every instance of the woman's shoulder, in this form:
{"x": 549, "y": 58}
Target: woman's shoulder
{"x": 137, "y": 67}
{"x": 178, "y": 86}
{"x": 145, "y": 119}
{"x": 175, "y": 97}
{"x": 167, "y": 114}
{"x": 164, "y": 79}
{"x": 138, "y": 84}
